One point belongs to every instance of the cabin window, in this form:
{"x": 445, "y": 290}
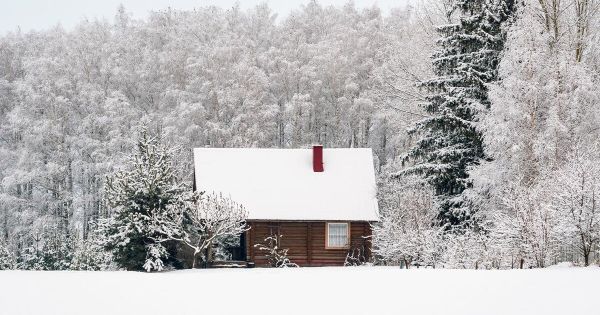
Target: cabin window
{"x": 338, "y": 235}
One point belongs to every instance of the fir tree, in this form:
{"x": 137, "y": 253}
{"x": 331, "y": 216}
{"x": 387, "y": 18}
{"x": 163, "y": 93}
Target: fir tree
{"x": 450, "y": 142}
{"x": 137, "y": 195}
{"x": 57, "y": 252}
{"x": 7, "y": 259}
{"x": 50, "y": 250}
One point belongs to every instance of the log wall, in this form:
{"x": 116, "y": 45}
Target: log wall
{"x": 305, "y": 242}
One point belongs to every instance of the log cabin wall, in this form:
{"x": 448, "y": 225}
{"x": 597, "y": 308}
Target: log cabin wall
{"x": 305, "y": 242}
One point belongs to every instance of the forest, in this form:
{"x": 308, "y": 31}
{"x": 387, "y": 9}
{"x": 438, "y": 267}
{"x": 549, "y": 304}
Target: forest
{"x": 483, "y": 116}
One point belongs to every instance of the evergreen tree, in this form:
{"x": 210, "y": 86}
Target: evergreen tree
{"x": 89, "y": 253}
{"x": 7, "y": 259}
{"x": 450, "y": 142}
{"x": 57, "y": 251}
{"x": 51, "y": 250}
{"x": 136, "y": 196}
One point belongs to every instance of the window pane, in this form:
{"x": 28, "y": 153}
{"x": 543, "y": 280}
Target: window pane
{"x": 338, "y": 234}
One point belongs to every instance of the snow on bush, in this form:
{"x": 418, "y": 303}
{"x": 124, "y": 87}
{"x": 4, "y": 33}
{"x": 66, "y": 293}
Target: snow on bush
{"x": 277, "y": 257}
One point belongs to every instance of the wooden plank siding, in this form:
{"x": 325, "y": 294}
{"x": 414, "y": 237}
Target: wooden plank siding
{"x": 305, "y": 242}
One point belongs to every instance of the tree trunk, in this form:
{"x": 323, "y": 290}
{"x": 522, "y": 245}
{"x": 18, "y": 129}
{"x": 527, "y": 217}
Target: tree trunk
{"x": 521, "y": 263}
{"x": 208, "y": 256}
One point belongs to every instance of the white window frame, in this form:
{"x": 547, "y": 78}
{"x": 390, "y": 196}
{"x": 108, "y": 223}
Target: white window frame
{"x": 347, "y": 245}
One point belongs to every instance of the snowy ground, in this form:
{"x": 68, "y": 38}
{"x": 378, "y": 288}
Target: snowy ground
{"x": 360, "y": 290}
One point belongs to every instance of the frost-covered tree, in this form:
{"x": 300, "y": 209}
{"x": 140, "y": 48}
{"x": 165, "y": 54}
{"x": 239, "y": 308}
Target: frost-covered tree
{"x": 208, "y": 221}
{"x": 575, "y": 197}
{"x": 146, "y": 189}
{"x": 466, "y": 249}
{"x": 524, "y": 225}
{"x": 7, "y": 258}
{"x": 50, "y": 250}
{"x": 90, "y": 254}
{"x": 448, "y": 139}
{"x": 530, "y": 225}
{"x": 406, "y": 232}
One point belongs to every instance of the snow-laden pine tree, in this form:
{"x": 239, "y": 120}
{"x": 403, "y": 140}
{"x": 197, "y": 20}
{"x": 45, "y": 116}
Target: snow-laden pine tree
{"x": 449, "y": 142}
{"x": 51, "y": 250}
{"x": 7, "y": 258}
{"x": 136, "y": 195}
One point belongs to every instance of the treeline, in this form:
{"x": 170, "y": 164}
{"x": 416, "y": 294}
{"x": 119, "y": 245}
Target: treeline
{"x": 487, "y": 152}
{"x": 73, "y": 101}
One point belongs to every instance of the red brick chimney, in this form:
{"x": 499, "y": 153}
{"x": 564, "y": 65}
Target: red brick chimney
{"x": 318, "y": 158}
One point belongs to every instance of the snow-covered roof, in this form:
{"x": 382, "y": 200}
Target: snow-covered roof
{"x": 279, "y": 184}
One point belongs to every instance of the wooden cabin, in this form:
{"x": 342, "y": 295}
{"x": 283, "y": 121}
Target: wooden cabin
{"x": 318, "y": 202}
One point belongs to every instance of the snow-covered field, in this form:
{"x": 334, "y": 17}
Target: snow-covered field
{"x": 359, "y": 290}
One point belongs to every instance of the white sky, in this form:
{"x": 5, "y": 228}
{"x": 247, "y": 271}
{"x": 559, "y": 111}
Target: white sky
{"x": 43, "y": 14}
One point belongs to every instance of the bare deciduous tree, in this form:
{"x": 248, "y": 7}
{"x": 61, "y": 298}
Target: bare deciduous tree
{"x": 577, "y": 187}
{"x": 200, "y": 225}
